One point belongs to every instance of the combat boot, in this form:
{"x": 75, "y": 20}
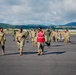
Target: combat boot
{"x": 39, "y": 53}
{"x": 42, "y": 53}
{"x": 3, "y": 52}
{"x": 21, "y": 52}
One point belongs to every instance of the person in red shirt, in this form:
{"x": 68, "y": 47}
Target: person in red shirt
{"x": 40, "y": 41}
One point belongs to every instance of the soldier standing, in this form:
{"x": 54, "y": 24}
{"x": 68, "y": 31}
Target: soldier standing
{"x": 62, "y": 35}
{"x": 67, "y": 37}
{"x": 57, "y": 36}
{"x": 2, "y": 40}
{"x": 20, "y": 38}
{"x": 53, "y": 34}
{"x": 40, "y": 41}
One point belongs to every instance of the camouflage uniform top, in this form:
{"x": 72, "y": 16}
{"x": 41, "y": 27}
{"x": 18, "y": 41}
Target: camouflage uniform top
{"x": 47, "y": 34}
{"x": 33, "y": 33}
{"x": 67, "y": 34}
{"x": 27, "y": 33}
{"x": 20, "y": 36}
{"x": 13, "y": 32}
{"x": 2, "y": 36}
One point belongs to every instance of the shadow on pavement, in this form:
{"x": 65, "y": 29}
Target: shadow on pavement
{"x": 45, "y": 53}
{"x": 29, "y": 52}
{"x": 22, "y": 53}
{"x": 55, "y": 52}
{"x": 56, "y": 45}
{"x": 12, "y": 53}
{"x": 73, "y": 42}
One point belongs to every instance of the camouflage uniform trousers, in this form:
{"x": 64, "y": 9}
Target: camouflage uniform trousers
{"x": 27, "y": 39}
{"x": 33, "y": 41}
{"x": 41, "y": 47}
{"x": 56, "y": 38}
{"x": 67, "y": 39}
{"x": 20, "y": 46}
{"x": 2, "y": 43}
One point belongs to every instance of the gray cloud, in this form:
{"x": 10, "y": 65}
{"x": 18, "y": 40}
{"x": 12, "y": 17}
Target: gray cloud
{"x": 37, "y": 11}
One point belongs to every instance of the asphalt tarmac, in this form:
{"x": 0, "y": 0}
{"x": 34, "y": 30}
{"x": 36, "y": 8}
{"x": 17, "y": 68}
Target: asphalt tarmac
{"x": 59, "y": 59}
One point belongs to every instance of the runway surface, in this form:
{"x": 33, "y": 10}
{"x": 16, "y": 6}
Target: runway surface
{"x": 59, "y": 59}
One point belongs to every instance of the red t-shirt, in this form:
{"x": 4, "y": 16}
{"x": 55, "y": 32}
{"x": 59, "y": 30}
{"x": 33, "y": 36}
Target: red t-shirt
{"x": 40, "y": 36}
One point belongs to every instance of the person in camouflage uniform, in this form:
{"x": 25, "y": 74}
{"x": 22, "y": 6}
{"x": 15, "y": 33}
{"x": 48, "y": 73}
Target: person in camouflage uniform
{"x": 20, "y": 39}
{"x": 57, "y": 36}
{"x": 67, "y": 37}
{"x": 62, "y": 35}
{"x": 2, "y": 40}
{"x": 13, "y": 34}
{"x": 33, "y": 36}
{"x": 48, "y": 36}
{"x": 27, "y": 36}
{"x": 53, "y": 34}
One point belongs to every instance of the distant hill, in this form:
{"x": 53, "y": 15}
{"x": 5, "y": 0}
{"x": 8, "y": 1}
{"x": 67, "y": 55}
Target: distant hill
{"x": 30, "y": 26}
{"x": 71, "y": 24}
{"x": 4, "y": 25}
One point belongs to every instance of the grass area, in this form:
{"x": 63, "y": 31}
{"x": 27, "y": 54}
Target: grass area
{"x": 72, "y": 32}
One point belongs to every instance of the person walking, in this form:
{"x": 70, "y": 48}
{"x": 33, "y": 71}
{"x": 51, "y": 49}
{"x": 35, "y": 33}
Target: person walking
{"x": 2, "y": 40}
{"x": 48, "y": 36}
{"x": 20, "y": 39}
{"x": 40, "y": 41}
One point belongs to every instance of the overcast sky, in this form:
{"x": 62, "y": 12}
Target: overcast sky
{"x": 37, "y": 11}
